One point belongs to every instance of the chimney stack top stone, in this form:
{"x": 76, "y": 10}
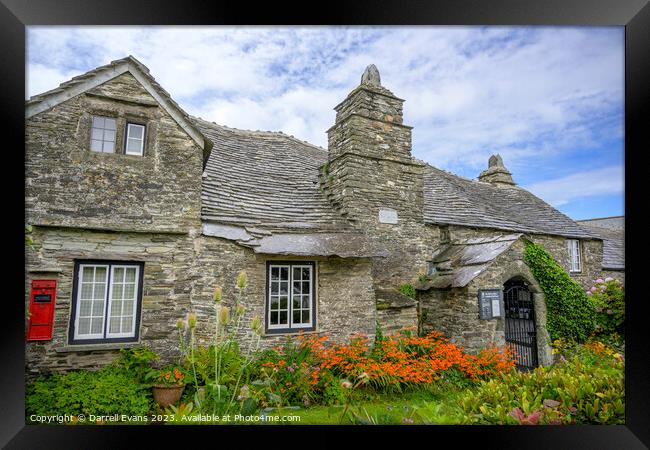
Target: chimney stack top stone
{"x": 496, "y": 173}
{"x": 371, "y": 76}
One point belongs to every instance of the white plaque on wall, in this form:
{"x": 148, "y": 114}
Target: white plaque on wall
{"x": 387, "y": 216}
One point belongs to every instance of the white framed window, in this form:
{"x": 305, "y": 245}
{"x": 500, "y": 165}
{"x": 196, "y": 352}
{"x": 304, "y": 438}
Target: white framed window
{"x": 106, "y": 302}
{"x": 134, "y": 142}
{"x": 102, "y": 134}
{"x": 290, "y": 300}
{"x": 575, "y": 263}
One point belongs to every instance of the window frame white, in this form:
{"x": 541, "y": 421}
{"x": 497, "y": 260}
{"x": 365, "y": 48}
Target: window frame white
{"x": 290, "y": 326}
{"x": 575, "y": 257}
{"x": 127, "y": 136}
{"x": 106, "y": 337}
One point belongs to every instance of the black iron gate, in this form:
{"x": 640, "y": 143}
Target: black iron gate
{"x": 521, "y": 335}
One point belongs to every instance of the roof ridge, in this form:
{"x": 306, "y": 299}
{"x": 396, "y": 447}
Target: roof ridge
{"x": 258, "y": 132}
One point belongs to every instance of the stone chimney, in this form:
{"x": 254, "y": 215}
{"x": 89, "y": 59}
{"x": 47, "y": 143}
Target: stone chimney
{"x": 496, "y": 173}
{"x": 370, "y": 175}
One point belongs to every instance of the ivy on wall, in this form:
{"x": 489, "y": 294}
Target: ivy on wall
{"x": 570, "y": 312}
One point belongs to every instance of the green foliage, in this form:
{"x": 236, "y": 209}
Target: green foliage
{"x": 570, "y": 312}
{"x": 588, "y": 388}
{"x": 137, "y": 361}
{"x": 609, "y": 298}
{"x": 408, "y": 290}
{"x": 29, "y": 242}
{"x": 105, "y": 392}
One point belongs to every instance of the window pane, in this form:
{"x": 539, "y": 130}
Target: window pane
{"x": 305, "y": 273}
{"x": 100, "y": 274}
{"x": 296, "y": 287}
{"x": 109, "y": 135}
{"x": 116, "y": 308}
{"x": 118, "y": 274}
{"x": 108, "y": 147}
{"x": 284, "y": 273}
{"x": 87, "y": 274}
{"x": 274, "y": 318}
{"x": 97, "y": 134}
{"x": 84, "y": 326}
{"x": 96, "y": 146}
{"x": 117, "y": 291}
{"x": 296, "y": 301}
{"x": 127, "y": 325}
{"x": 114, "y": 326}
{"x": 305, "y": 316}
{"x": 284, "y": 288}
{"x": 296, "y": 274}
{"x": 283, "y": 317}
{"x": 100, "y": 291}
{"x": 296, "y": 316}
{"x": 274, "y": 288}
{"x": 129, "y": 290}
{"x": 109, "y": 123}
{"x": 134, "y": 146}
{"x": 275, "y": 303}
{"x": 128, "y": 306}
{"x": 136, "y": 131}
{"x": 305, "y": 287}
{"x": 98, "y": 308}
{"x": 84, "y": 308}
{"x": 86, "y": 291}
{"x": 284, "y": 301}
{"x": 305, "y": 301}
{"x": 96, "y": 325}
{"x": 98, "y": 122}
{"x": 130, "y": 275}
{"x": 275, "y": 273}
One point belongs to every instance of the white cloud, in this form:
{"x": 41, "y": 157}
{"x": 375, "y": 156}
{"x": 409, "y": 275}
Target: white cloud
{"x": 560, "y": 191}
{"x": 541, "y": 93}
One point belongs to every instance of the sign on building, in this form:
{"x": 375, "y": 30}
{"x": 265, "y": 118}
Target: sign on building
{"x": 387, "y": 215}
{"x": 490, "y": 303}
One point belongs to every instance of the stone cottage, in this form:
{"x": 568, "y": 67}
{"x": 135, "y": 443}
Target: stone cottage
{"x": 138, "y": 211}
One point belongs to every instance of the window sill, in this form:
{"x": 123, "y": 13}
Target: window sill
{"x": 290, "y": 333}
{"x": 95, "y": 347}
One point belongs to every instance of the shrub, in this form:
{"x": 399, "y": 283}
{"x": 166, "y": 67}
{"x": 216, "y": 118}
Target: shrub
{"x": 108, "y": 391}
{"x": 609, "y": 298}
{"x": 137, "y": 361}
{"x": 570, "y": 312}
{"x": 588, "y": 387}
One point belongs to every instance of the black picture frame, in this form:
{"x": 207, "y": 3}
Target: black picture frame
{"x": 633, "y": 14}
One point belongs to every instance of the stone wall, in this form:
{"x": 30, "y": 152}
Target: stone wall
{"x": 165, "y": 296}
{"x": 180, "y": 274}
{"x": 591, "y": 251}
{"x": 67, "y": 184}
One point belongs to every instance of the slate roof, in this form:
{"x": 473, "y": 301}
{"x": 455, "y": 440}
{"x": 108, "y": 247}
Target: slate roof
{"x": 458, "y": 263}
{"x": 267, "y": 180}
{"x": 450, "y": 199}
{"x": 613, "y": 244}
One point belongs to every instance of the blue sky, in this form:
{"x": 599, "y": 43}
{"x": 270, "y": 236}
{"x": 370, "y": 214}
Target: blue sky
{"x": 549, "y": 100}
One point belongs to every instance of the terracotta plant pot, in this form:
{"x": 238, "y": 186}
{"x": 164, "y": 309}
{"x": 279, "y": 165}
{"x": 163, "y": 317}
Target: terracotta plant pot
{"x": 165, "y": 394}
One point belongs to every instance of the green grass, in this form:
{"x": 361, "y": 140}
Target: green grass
{"x": 419, "y": 407}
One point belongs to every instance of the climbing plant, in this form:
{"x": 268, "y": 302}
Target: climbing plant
{"x": 570, "y": 312}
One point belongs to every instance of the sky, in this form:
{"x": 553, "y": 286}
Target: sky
{"x": 549, "y": 100}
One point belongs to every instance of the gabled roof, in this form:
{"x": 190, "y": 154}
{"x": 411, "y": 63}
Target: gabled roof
{"x": 82, "y": 83}
{"x": 458, "y": 263}
{"x": 450, "y": 199}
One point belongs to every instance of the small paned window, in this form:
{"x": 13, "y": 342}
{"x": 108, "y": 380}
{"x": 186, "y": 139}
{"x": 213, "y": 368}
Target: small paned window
{"x": 102, "y": 134}
{"x": 290, "y": 303}
{"x": 575, "y": 264}
{"x": 106, "y": 302}
{"x": 134, "y": 139}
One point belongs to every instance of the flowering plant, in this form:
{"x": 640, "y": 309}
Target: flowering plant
{"x": 609, "y": 298}
{"x": 169, "y": 375}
